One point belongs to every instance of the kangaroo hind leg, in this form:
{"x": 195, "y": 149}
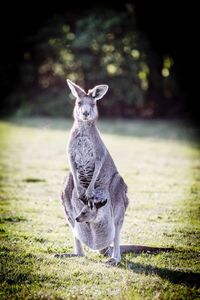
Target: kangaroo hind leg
{"x": 116, "y": 255}
{"x": 78, "y": 249}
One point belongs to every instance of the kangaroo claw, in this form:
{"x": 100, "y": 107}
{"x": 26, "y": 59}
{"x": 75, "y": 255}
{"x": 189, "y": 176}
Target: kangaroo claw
{"x": 112, "y": 262}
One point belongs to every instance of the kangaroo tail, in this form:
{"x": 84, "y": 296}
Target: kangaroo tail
{"x": 140, "y": 249}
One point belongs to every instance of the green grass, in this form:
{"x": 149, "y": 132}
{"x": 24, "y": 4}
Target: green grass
{"x": 160, "y": 162}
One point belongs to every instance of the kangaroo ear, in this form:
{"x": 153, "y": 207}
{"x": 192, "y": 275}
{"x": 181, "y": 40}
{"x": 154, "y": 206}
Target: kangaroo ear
{"x": 100, "y": 204}
{"x": 90, "y": 204}
{"x": 76, "y": 90}
{"x": 98, "y": 91}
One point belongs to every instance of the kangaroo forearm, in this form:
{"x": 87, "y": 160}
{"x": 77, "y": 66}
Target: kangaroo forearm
{"x": 74, "y": 174}
{"x": 98, "y": 165}
{"x": 95, "y": 174}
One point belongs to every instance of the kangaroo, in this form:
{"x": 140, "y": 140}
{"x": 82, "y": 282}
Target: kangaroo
{"x": 94, "y": 195}
{"x": 93, "y": 179}
{"x": 90, "y": 162}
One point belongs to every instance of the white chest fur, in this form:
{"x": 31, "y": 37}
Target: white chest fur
{"x": 83, "y": 151}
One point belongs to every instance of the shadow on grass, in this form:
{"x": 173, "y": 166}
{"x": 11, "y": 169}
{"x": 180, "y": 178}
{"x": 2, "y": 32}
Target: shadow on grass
{"x": 174, "y": 276}
{"x": 34, "y": 180}
{"x": 142, "y": 249}
{"x": 13, "y": 219}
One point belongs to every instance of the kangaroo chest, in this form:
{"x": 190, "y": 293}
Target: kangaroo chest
{"x": 84, "y": 156}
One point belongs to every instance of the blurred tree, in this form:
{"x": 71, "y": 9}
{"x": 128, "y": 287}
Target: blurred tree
{"x": 102, "y": 46}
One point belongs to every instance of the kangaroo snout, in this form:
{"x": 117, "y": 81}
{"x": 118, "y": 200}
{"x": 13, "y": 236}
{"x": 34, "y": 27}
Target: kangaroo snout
{"x": 86, "y": 113}
{"x": 77, "y": 219}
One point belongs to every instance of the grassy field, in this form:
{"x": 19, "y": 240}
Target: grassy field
{"x": 160, "y": 162}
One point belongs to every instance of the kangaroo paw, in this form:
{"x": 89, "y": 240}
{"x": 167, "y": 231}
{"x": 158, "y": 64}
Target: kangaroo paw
{"x": 112, "y": 262}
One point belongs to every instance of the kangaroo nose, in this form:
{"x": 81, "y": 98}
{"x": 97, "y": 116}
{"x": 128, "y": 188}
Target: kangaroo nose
{"x": 86, "y": 113}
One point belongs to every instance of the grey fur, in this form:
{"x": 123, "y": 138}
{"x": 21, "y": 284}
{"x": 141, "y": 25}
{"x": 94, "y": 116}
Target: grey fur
{"x": 94, "y": 177}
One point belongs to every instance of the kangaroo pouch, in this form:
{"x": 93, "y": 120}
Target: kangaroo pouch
{"x": 99, "y": 234}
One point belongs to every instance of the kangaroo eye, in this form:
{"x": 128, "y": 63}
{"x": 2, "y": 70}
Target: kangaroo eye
{"x": 83, "y": 213}
{"x": 79, "y": 103}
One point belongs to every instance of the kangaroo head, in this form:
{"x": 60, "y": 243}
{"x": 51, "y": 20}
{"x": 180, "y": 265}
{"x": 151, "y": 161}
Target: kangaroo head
{"x": 89, "y": 211}
{"x": 85, "y": 108}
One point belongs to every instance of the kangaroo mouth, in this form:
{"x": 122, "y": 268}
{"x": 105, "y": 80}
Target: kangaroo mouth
{"x": 88, "y": 118}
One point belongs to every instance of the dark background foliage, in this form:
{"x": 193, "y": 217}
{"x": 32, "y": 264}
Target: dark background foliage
{"x": 142, "y": 50}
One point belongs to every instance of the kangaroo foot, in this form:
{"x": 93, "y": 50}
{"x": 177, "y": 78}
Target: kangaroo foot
{"x": 112, "y": 262}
